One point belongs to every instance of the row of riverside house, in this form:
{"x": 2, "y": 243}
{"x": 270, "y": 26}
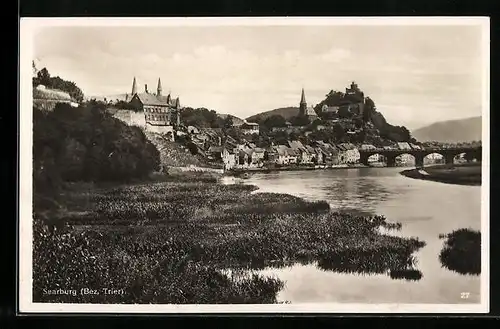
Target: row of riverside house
{"x": 249, "y": 156}
{"x": 221, "y": 149}
{"x": 294, "y": 153}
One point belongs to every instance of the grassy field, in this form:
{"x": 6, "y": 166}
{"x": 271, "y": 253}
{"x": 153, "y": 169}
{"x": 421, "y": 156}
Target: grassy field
{"x": 174, "y": 241}
{"x": 462, "y": 174}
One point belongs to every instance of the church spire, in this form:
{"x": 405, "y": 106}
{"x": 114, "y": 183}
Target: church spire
{"x": 134, "y": 87}
{"x": 303, "y": 104}
{"x": 158, "y": 90}
{"x": 303, "y": 97}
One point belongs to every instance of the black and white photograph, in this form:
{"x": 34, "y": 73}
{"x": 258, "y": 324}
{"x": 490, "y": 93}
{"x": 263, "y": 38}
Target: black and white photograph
{"x": 205, "y": 165}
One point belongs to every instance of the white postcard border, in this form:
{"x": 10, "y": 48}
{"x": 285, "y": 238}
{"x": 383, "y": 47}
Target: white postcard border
{"x": 28, "y": 27}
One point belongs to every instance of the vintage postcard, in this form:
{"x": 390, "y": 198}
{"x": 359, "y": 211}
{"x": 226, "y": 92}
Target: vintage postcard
{"x": 254, "y": 165}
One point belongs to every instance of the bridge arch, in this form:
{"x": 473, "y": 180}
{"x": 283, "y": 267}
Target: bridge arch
{"x": 405, "y": 159}
{"x": 433, "y": 158}
{"x": 473, "y": 155}
{"x": 460, "y": 157}
{"x": 370, "y": 158}
{"x": 377, "y": 157}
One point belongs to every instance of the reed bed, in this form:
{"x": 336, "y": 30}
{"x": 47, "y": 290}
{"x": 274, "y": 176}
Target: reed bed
{"x": 462, "y": 251}
{"x": 172, "y": 241}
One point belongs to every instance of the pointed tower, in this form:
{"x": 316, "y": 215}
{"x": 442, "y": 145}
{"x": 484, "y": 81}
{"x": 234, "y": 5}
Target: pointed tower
{"x": 303, "y": 104}
{"x": 158, "y": 89}
{"x": 178, "y": 111}
{"x": 134, "y": 88}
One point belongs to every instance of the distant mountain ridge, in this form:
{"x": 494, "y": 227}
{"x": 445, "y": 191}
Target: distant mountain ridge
{"x": 451, "y": 131}
{"x": 285, "y": 112}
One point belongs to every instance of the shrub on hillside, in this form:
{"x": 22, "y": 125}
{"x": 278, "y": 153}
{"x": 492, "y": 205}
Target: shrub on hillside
{"x": 87, "y": 144}
{"x": 43, "y": 78}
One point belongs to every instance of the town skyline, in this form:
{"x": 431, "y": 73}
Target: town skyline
{"x": 417, "y": 75}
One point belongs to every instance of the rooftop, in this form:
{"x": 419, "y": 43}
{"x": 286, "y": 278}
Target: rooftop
{"x": 155, "y": 100}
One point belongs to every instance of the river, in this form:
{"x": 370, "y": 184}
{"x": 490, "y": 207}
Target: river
{"x": 424, "y": 208}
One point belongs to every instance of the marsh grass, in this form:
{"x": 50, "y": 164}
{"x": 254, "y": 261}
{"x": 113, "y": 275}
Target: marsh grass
{"x": 172, "y": 241}
{"x": 462, "y": 251}
{"x": 461, "y": 174}
{"x": 410, "y": 275}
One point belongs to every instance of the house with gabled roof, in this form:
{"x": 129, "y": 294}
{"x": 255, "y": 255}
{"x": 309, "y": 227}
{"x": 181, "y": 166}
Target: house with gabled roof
{"x": 222, "y": 154}
{"x": 249, "y": 128}
{"x": 415, "y": 147}
{"x": 404, "y": 146}
{"x": 282, "y": 155}
{"x": 303, "y": 155}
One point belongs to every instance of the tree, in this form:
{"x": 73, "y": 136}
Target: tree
{"x": 88, "y": 144}
{"x": 339, "y": 133}
{"x": 44, "y": 77}
{"x": 344, "y": 112}
{"x": 275, "y": 120}
{"x": 333, "y": 98}
{"x": 192, "y": 148}
{"x": 228, "y": 122}
{"x": 293, "y": 136}
{"x": 300, "y": 120}
{"x": 201, "y": 117}
{"x": 280, "y": 137}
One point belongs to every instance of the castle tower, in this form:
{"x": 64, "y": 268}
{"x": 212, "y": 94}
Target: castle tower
{"x": 303, "y": 104}
{"x": 158, "y": 89}
{"x": 134, "y": 87}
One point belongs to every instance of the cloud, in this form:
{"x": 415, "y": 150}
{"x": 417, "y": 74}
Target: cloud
{"x": 255, "y": 71}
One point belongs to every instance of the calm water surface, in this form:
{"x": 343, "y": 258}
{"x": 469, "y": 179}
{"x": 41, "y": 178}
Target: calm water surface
{"x": 425, "y": 209}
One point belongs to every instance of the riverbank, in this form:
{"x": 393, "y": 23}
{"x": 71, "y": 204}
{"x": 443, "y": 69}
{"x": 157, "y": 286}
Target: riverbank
{"x": 460, "y": 174}
{"x": 173, "y": 241}
{"x": 239, "y": 171}
{"x": 291, "y": 168}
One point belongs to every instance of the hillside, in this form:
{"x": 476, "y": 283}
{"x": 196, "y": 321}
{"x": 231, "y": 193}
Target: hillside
{"x": 451, "y": 131}
{"x": 356, "y": 119}
{"x": 285, "y": 112}
{"x": 236, "y": 121}
{"x": 173, "y": 154}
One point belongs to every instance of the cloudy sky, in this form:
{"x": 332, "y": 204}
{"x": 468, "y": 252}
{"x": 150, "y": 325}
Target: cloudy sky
{"x": 415, "y": 74}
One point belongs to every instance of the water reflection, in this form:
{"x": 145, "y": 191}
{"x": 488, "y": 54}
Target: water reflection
{"x": 462, "y": 252}
{"x": 425, "y": 210}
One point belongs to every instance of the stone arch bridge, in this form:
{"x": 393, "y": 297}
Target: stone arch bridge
{"x": 448, "y": 153}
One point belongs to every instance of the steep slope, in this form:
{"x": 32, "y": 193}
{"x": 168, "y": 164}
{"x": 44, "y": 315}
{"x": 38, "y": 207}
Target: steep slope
{"x": 236, "y": 121}
{"x": 451, "y": 131}
{"x": 286, "y": 112}
{"x": 173, "y": 154}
